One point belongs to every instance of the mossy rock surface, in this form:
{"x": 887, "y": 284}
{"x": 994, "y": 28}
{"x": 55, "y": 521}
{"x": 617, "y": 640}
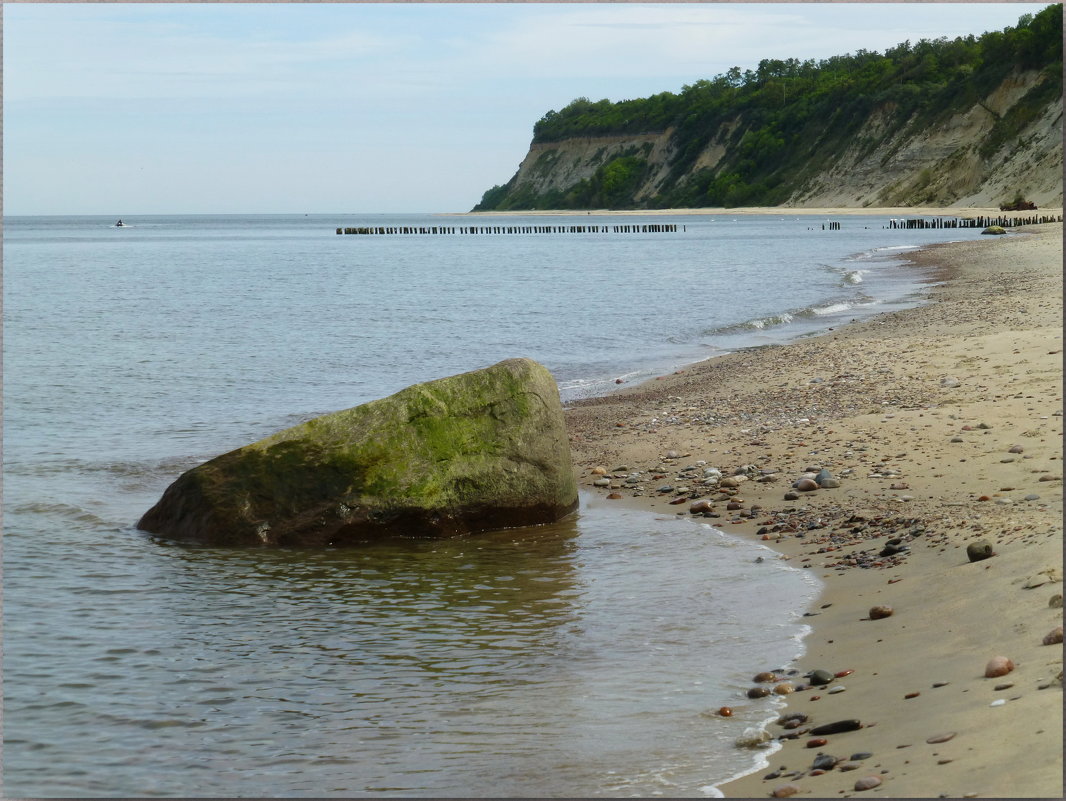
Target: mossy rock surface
{"x": 995, "y": 230}
{"x": 474, "y": 452}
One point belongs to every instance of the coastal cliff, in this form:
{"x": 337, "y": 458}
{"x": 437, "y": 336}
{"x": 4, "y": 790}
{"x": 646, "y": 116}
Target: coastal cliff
{"x": 972, "y": 122}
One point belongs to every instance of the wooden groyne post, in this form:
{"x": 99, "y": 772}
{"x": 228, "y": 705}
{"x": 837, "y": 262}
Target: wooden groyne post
{"x": 972, "y": 222}
{"x": 481, "y": 230}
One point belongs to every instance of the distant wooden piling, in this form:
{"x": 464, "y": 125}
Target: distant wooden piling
{"x": 972, "y": 222}
{"x": 463, "y": 230}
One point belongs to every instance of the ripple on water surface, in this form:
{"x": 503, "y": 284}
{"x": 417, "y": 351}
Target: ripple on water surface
{"x": 579, "y": 658}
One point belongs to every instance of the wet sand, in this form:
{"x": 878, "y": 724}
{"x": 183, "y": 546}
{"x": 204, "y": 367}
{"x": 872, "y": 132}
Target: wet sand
{"x": 943, "y": 426}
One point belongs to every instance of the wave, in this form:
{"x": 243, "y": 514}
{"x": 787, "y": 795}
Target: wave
{"x": 812, "y": 312}
{"x": 64, "y": 511}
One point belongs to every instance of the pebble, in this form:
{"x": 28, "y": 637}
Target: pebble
{"x": 846, "y": 766}
{"x": 1054, "y": 636}
{"x": 758, "y": 692}
{"x": 941, "y": 683}
{"x": 860, "y": 756}
{"x": 1006, "y": 686}
{"x": 950, "y": 382}
{"x": 725, "y": 711}
{"x": 602, "y": 482}
{"x": 805, "y": 485}
{"x": 699, "y": 507}
{"x": 791, "y": 496}
{"x": 765, "y": 676}
{"x": 599, "y": 471}
{"x": 784, "y": 791}
{"x": 976, "y": 551}
{"x": 1016, "y": 449}
{"x": 1055, "y": 601}
{"x": 908, "y": 696}
{"x": 820, "y": 677}
{"x": 837, "y": 727}
{"x": 1000, "y": 702}
{"x": 614, "y": 496}
{"x": 868, "y": 783}
{"x": 841, "y": 673}
{"x": 784, "y": 688}
{"x": 998, "y": 666}
{"x": 752, "y": 738}
{"x": 1032, "y": 497}
{"x": 1050, "y": 478}
{"x": 838, "y": 689}
{"x": 824, "y": 762}
{"x": 817, "y": 742}
{"x": 672, "y": 455}
{"x": 880, "y": 612}
{"x": 941, "y": 738}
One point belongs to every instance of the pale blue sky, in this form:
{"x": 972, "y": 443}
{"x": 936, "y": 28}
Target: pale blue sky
{"x": 126, "y": 109}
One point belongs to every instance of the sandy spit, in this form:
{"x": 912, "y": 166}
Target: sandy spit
{"x": 943, "y": 425}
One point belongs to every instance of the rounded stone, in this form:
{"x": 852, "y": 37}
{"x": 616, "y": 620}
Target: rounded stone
{"x": 837, "y": 727}
{"x": 880, "y": 612}
{"x": 820, "y": 677}
{"x": 1053, "y": 637}
{"x": 829, "y": 483}
{"x": 824, "y": 762}
{"x": 786, "y": 687}
{"x": 868, "y": 783}
{"x": 602, "y": 482}
{"x": 725, "y": 711}
{"x": 805, "y": 485}
{"x": 599, "y": 471}
{"x": 758, "y": 692}
{"x": 817, "y": 742}
{"x": 784, "y": 791}
{"x": 941, "y": 738}
{"x": 614, "y": 496}
{"x": 976, "y": 551}
{"x": 765, "y": 676}
{"x": 998, "y": 666}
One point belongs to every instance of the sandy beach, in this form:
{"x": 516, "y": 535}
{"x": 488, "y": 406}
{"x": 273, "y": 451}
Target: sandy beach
{"x": 942, "y": 427}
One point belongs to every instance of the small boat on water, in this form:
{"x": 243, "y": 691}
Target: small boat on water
{"x": 120, "y": 224}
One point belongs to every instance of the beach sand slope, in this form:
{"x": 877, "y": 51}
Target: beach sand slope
{"x": 943, "y": 426}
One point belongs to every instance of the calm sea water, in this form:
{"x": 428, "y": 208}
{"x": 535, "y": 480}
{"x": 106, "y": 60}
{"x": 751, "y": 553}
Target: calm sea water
{"x": 579, "y": 659}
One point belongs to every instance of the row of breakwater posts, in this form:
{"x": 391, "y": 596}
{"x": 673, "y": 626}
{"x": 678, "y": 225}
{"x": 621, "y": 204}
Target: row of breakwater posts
{"x": 656, "y": 228}
{"x": 972, "y": 222}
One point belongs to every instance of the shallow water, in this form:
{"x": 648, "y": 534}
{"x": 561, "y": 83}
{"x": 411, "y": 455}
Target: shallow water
{"x": 582, "y": 658}
{"x": 575, "y": 659}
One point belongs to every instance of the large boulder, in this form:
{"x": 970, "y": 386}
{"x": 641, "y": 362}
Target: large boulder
{"x": 473, "y": 452}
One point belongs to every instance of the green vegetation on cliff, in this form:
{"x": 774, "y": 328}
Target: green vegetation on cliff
{"x": 781, "y": 123}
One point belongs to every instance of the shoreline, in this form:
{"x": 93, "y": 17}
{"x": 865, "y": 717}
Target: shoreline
{"x": 841, "y": 211}
{"x": 942, "y": 424}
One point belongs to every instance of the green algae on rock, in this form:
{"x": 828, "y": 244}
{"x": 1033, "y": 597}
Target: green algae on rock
{"x": 473, "y": 452}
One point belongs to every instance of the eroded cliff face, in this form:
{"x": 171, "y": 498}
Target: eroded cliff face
{"x": 995, "y": 148}
{"x": 953, "y": 163}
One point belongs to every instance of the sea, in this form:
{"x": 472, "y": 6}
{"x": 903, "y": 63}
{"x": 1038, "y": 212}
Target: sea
{"x": 582, "y": 659}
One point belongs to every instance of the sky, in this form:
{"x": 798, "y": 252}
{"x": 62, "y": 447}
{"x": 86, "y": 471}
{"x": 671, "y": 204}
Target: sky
{"x": 214, "y": 108}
